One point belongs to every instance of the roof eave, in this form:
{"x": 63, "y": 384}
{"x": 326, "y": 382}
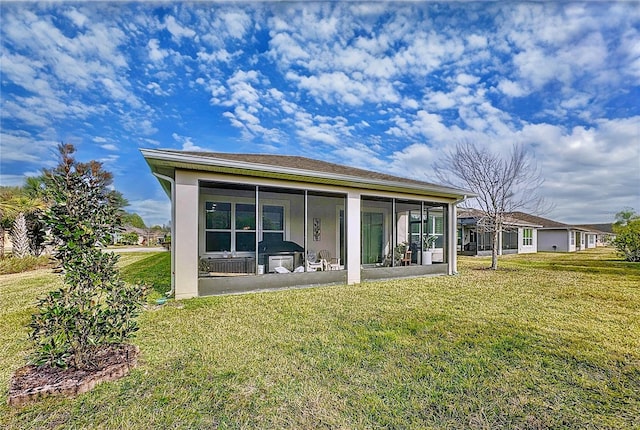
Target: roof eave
{"x": 194, "y": 162}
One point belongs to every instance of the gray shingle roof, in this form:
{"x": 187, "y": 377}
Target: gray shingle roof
{"x": 297, "y": 162}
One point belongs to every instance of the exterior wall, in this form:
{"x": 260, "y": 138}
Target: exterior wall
{"x": 353, "y": 238}
{"x": 527, "y": 249}
{"x": 547, "y": 239}
{"x": 186, "y": 236}
{"x": 329, "y": 227}
{"x": 187, "y": 224}
{"x": 590, "y": 240}
{"x": 451, "y": 231}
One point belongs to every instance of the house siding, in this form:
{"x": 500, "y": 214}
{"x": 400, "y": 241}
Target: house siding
{"x": 186, "y": 235}
{"x": 527, "y": 249}
{"x": 553, "y": 240}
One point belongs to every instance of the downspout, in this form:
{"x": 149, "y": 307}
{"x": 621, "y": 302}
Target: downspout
{"x": 172, "y": 291}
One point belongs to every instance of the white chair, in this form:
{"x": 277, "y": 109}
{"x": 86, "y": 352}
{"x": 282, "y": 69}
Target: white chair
{"x": 329, "y": 262}
{"x": 312, "y": 264}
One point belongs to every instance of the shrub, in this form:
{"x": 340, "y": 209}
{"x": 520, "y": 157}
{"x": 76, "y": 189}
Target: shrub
{"x": 130, "y": 238}
{"x": 95, "y": 307}
{"x": 627, "y": 241}
{"x": 17, "y": 265}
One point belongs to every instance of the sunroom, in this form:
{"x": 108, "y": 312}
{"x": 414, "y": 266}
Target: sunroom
{"x": 247, "y": 222}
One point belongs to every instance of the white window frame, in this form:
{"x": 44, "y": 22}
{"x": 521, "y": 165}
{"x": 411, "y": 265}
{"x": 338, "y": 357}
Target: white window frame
{"x": 233, "y": 202}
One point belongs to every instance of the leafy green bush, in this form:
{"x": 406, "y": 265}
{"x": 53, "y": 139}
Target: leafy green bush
{"x": 627, "y": 231}
{"x": 95, "y": 307}
{"x": 128, "y": 239}
{"x": 627, "y": 241}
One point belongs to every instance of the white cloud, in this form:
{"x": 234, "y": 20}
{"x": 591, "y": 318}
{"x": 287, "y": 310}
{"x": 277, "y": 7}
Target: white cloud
{"x": 186, "y": 142}
{"x": 511, "y": 88}
{"x": 12, "y": 180}
{"x": 178, "y": 31}
{"x": 155, "y": 53}
{"x": 19, "y": 146}
{"x": 476, "y": 41}
{"x": 466, "y": 79}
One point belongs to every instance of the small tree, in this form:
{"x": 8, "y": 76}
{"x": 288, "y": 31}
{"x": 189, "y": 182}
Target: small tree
{"x": 502, "y": 185}
{"x": 627, "y": 230}
{"x": 95, "y": 307}
{"x": 20, "y": 237}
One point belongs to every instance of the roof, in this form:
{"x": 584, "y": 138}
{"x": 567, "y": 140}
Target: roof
{"x": 293, "y": 168}
{"x": 509, "y": 219}
{"x": 600, "y": 228}
{"x": 547, "y": 224}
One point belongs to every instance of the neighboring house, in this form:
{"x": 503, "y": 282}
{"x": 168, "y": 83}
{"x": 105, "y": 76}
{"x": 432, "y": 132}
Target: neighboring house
{"x": 474, "y": 235}
{"x": 145, "y": 237}
{"x": 555, "y": 236}
{"x": 603, "y": 233}
{"x": 244, "y": 222}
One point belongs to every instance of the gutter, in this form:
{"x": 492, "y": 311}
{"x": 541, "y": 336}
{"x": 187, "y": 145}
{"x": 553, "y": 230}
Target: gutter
{"x": 172, "y": 291}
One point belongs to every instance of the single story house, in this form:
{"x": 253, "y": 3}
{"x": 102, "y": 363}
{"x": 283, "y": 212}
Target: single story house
{"x": 475, "y": 235}
{"x": 555, "y": 236}
{"x": 603, "y": 233}
{"x": 246, "y": 222}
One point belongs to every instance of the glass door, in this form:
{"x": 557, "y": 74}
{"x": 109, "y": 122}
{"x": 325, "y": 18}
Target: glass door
{"x": 372, "y": 237}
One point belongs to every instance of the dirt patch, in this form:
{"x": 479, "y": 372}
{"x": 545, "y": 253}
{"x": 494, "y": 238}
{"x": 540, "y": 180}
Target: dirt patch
{"x": 32, "y": 382}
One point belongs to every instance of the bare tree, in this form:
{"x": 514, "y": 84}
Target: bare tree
{"x": 502, "y": 184}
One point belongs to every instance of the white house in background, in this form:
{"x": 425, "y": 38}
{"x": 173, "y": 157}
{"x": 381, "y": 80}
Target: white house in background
{"x": 474, "y": 238}
{"x": 245, "y": 222}
{"x": 603, "y": 234}
{"x": 555, "y": 236}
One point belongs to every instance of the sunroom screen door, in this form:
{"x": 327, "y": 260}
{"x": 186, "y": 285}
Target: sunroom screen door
{"x": 372, "y": 237}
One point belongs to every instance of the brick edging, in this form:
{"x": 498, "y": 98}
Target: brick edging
{"x": 73, "y": 387}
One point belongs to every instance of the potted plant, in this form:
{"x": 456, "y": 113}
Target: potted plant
{"x": 428, "y": 241}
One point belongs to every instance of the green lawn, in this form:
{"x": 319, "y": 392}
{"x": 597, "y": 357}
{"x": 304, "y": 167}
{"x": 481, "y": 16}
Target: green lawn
{"x": 548, "y": 341}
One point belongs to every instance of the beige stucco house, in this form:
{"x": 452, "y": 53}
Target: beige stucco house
{"x": 246, "y": 222}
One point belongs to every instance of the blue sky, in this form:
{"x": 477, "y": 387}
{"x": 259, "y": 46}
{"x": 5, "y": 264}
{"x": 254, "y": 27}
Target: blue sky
{"x": 387, "y": 87}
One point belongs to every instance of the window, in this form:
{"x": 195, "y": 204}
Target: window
{"x": 572, "y": 235}
{"x": 231, "y": 227}
{"x": 510, "y": 239}
{"x": 434, "y": 226}
{"x": 527, "y": 236}
{"x": 245, "y": 227}
{"x": 221, "y": 234}
{"x": 272, "y": 223}
{"x": 484, "y": 240}
{"x": 218, "y": 226}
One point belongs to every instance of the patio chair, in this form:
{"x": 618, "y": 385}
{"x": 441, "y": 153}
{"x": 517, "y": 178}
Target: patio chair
{"x": 313, "y": 264}
{"x": 406, "y": 260}
{"x": 329, "y": 262}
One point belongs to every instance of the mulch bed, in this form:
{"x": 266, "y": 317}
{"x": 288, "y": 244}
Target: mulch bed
{"x": 32, "y": 382}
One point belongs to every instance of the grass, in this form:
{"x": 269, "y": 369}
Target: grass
{"x": 152, "y": 269}
{"x": 547, "y": 341}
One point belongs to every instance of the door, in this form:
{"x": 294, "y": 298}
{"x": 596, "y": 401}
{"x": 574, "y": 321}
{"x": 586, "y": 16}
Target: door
{"x": 372, "y": 237}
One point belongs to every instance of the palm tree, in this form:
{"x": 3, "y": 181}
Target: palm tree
{"x": 14, "y": 200}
